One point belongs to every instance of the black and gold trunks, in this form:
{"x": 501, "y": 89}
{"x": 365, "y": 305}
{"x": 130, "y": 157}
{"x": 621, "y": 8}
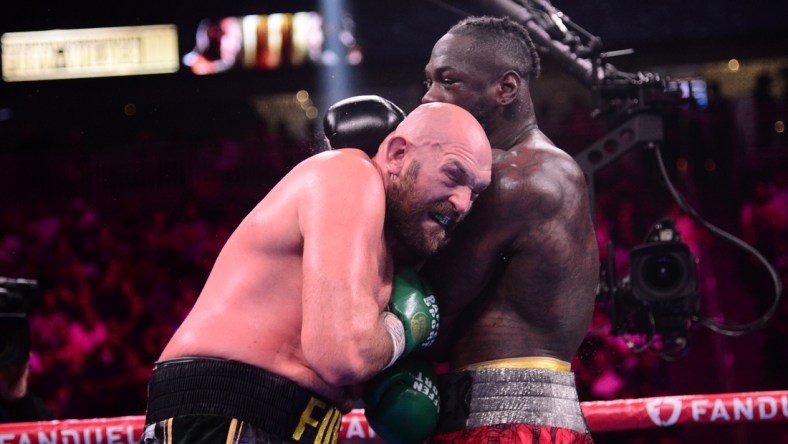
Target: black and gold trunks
{"x": 201, "y": 390}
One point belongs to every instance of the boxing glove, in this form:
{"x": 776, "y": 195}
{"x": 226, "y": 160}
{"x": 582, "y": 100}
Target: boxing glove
{"x": 361, "y": 122}
{"x": 401, "y": 403}
{"x": 413, "y": 303}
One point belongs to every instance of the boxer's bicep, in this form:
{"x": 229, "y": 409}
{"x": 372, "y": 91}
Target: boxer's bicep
{"x": 341, "y": 219}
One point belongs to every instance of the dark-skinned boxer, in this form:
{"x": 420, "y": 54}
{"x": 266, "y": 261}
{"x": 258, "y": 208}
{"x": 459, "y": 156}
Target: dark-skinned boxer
{"x": 517, "y": 284}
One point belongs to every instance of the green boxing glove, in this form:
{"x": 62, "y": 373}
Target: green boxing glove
{"x": 416, "y": 308}
{"x": 401, "y": 402}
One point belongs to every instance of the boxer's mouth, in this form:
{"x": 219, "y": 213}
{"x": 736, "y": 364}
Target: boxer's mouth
{"x": 441, "y": 218}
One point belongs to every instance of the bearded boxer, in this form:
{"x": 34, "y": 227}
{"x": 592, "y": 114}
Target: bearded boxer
{"x": 303, "y": 302}
{"x": 516, "y": 286}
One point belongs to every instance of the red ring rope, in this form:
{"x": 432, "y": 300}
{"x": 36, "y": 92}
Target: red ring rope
{"x": 602, "y": 416}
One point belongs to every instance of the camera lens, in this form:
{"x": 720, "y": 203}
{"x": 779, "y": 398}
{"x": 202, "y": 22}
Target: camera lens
{"x": 663, "y": 272}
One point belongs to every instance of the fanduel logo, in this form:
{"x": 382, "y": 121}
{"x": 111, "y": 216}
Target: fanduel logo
{"x": 664, "y": 408}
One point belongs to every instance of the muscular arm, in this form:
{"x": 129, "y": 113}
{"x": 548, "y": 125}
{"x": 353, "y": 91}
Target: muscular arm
{"x": 553, "y": 263}
{"x": 345, "y": 270}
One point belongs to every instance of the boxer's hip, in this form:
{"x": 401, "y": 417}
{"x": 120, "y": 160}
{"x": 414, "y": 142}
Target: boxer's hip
{"x": 486, "y": 395}
{"x": 523, "y": 362}
{"x": 207, "y": 387}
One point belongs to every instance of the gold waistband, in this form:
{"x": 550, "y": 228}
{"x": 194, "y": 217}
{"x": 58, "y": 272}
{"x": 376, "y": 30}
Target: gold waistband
{"x": 524, "y": 362}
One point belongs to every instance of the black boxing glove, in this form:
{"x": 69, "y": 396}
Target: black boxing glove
{"x": 361, "y": 122}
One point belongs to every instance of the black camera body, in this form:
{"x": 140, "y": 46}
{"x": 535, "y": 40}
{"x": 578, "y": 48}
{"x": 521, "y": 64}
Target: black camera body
{"x": 659, "y": 296}
{"x": 16, "y": 297}
{"x": 662, "y": 272}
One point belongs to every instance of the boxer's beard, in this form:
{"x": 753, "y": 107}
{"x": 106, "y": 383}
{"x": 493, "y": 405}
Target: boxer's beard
{"x": 405, "y": 215}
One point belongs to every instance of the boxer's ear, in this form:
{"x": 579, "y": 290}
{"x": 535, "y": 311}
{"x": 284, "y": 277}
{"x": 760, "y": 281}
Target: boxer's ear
{"x": 508, "y": 87}
{"x": 396, "y": 147}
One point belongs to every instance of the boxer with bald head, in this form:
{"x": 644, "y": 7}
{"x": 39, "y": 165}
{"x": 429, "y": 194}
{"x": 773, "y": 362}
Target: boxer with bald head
{"x": 298, "y": 309}
{"x": 516, "y": 286}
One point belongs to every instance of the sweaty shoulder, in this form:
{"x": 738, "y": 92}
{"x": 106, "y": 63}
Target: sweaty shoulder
{"x": 340, "y": 171}
{"x": 326, "y": 183}
{"x": 536, "y": 181}
{"x": 332, "y": 161}
{"x": 339, "y": 180}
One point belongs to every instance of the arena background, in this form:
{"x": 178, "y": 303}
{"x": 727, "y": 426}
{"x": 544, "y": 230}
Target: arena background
{"x": 117, "y": 193}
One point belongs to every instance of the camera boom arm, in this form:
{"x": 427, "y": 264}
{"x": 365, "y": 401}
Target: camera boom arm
{"x": 578, "y": 51}
{"x": 641, "y": 128}
{"x": 581, "y": 68}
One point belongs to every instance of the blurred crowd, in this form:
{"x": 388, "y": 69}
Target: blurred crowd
{"x": 121, "y": 234}
{"x": 120, "y": 240}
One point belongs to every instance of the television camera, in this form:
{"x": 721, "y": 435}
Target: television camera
{"x": 655, "y": 304}
{"x": 16, "y": 299}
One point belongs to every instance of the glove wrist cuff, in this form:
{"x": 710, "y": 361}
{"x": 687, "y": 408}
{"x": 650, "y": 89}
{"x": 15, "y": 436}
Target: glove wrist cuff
{"x": 397, "y": 332}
